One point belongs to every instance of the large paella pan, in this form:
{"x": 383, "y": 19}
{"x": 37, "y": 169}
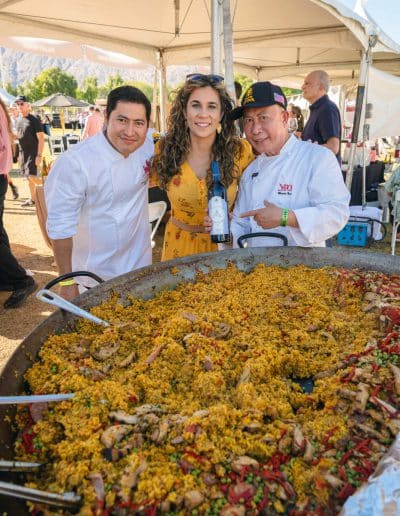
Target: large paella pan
{"x": 194, "y": 402}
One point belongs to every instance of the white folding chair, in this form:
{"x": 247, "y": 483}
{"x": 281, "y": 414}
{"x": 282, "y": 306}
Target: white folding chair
{"x": 56, "y": 145}
{"x": 156, "y": 213}
{"x": 72, "y": 140}
{"x": 396, "y": 220}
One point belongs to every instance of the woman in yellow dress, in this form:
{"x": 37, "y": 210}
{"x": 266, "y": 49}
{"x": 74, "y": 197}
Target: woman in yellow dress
{"x": 199, "y": 131}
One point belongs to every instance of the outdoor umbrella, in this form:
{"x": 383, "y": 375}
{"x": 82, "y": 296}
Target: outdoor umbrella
{"x": 60, "y": 100}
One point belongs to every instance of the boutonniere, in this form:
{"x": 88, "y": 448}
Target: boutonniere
{"x": 146, "y": 168}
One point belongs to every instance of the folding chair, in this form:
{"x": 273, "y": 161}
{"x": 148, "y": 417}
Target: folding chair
{"x": 56, "y": 144}
{"x": 156, "y": 213}
{"x": 396, "y": 219}
{"x": 72, "y": 139}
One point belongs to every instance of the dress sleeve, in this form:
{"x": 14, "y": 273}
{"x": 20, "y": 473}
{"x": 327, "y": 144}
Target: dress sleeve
{"x": 154, "y": 180}
{"x": 246, "y": 155}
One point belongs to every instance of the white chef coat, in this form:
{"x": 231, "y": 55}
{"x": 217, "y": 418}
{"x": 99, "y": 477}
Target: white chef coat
{"x": 100, "y": 199}
{"x": 304, "y": 178}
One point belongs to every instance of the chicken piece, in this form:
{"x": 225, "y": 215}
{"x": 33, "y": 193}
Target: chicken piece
{"x": 309, "y": 451}
{"x": 115, "y": 454}
{"x": 193, "y": 499}
{"x": 114, "y": 434}
{"x": 190, "y": 317}
{"x": 154, "y": 354}
{"x": 98, "y": 486}
{"x": 383, "y": 405}
{"x": 106, "y": 352}
{"x": 123, "y": 417}
{"x": 128, "y": 360}
{"x": 221, "y": 330}
{"x": 37, "y": 410}
{"x": 362, "y": 396}
{"x": 130, "y": 477}
{"x": 233, "y": 510}
{"x": 208, "y": 365}
{"x": 333, "y": 481}
{"x": 396, "y": 373}
{"x": 245, "y": 375}
{"x": 238, "y": 464}
{"x": 299, "y": 443}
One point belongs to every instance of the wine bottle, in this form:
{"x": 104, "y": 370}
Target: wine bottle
{"x": 218, "y": 207}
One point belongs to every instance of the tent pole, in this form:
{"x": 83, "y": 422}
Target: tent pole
{"x": 228, "y": 49}
{"x": 162, "y": 89}
{"x": 154, "y": 104}
{"x": 216, "y": 55}
{"x": 360, "y": 102}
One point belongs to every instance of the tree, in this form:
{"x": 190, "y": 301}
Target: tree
{"x": 51, "y": 80}
{"x": 11, "y": 89}
{"x": 145, "y": 87}
{"x": 244, "y": 81}
{"x": 89, "y": 90}
{"x": 112, "y": 82}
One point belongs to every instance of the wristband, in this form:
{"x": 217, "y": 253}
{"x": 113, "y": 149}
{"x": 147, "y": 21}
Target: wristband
{"x": 67, "y": 282}
{"x": 285, "y": 216}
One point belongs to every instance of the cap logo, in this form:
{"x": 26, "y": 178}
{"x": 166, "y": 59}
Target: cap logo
{"x": 279, "y": 98}
{"x": 248, "y": 97}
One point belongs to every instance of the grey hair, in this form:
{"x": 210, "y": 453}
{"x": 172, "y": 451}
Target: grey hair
{"x": 323, "y": 78}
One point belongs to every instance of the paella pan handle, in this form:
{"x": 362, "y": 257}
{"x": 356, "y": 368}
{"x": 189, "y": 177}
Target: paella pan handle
{"x": 74, "y": 274}
{"x": 268, "y": 234}
{"x": 53, "y": 299}
{"x": 68, "y": 500}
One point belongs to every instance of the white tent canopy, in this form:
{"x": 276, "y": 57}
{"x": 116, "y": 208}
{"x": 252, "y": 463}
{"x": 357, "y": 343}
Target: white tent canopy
{"x": 383, "y": 95}
{"x": 6, "y": 97}
{"x": 279, "y": 41}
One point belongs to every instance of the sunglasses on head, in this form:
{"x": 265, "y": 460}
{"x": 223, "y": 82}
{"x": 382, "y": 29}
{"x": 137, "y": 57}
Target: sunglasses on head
{"x": 211, "y": 78}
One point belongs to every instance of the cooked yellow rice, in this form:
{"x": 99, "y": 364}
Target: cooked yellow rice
{"x": 281, "y": 324}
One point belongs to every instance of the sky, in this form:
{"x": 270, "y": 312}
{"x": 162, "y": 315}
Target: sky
{"x": 386, "y": 13}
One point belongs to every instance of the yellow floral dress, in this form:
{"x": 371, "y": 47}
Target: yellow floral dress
{"x": 188, "y": 197}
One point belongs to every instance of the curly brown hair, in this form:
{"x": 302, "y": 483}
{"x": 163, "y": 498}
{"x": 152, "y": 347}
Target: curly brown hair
{"x": 175, "y": 146}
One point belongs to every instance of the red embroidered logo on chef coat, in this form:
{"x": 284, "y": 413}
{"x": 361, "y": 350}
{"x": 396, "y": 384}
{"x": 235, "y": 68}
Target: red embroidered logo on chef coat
{"x": 285, "y": 189}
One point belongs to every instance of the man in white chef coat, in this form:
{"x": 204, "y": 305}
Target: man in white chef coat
{"x": 294, "y": 188}
{"x": 97, "y": 195}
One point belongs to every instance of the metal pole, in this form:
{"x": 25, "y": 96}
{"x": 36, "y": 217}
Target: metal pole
{"x": 215, "y": 37}
{"x": 162, "y": 89}
{"x": 360, "y": 101}
{"x": 228, "y": 48}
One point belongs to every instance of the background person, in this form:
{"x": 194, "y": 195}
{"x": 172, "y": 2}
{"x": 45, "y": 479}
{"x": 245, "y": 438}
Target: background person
{"x": 199, "y": 131}
{"x": 13, "y": 277}
{"x": 96, "y": 195}
{"x": 31, "y": 142}
{"x": 323, "y": 126}
{"x": 93, "y": 123}
{"x": 295, "y": 112}
{"x": 292, "y": 188}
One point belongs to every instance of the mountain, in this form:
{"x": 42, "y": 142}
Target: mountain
{"x": 18, "y": 67}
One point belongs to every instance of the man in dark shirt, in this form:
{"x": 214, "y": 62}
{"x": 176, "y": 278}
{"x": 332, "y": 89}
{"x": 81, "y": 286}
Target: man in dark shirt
{"x": 323, "y": 126}
{"x": 31, "y": 140}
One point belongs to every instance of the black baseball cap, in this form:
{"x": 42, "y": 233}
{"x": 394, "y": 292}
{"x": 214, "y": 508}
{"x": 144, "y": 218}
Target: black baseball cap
{"x": 260, "y": 94}
{"x": 21, "y": 98}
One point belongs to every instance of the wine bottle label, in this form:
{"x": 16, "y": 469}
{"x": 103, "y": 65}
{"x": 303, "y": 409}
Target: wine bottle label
{"x": 218, "y": 212}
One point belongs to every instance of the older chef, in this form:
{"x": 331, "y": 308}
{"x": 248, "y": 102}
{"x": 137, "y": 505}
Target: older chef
{"x": 294, "y": 188}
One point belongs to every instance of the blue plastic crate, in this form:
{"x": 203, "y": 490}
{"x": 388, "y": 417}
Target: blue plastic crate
{"x": 354, "y": 233}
